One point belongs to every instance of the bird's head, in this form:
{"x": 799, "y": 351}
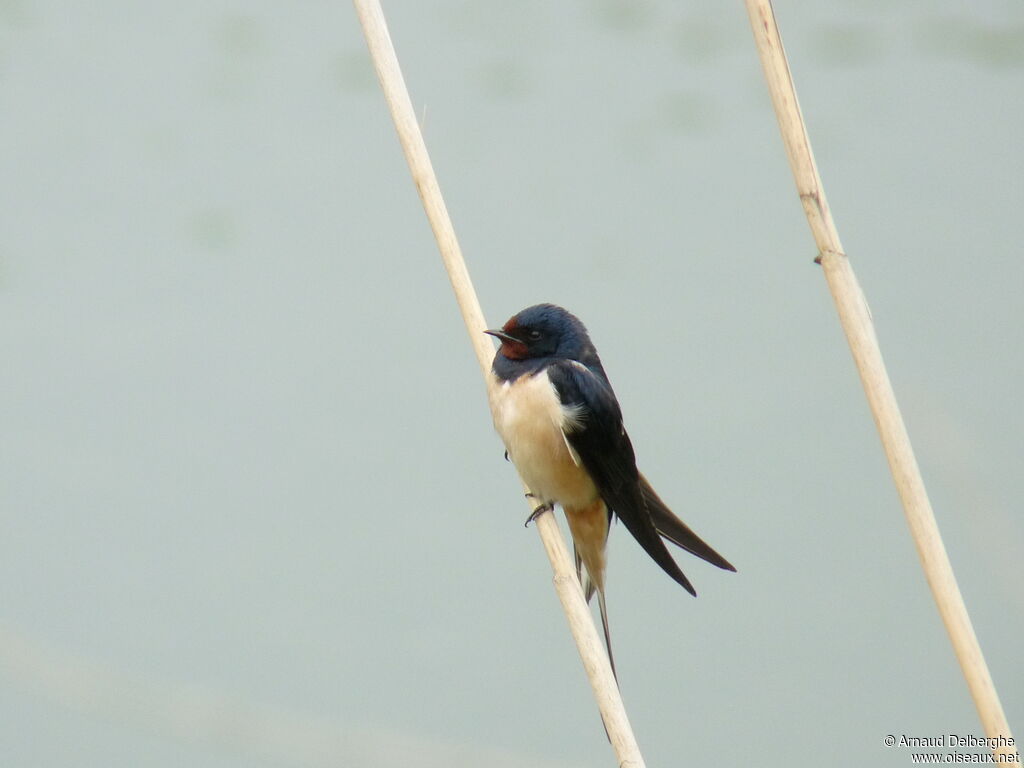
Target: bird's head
{"x": 544, "y": 330}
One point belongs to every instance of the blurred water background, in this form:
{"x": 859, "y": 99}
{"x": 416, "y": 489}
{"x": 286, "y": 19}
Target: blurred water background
{"x": 252, "y": 510}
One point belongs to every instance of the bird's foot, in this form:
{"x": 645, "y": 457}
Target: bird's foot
{"x": 537, "y": 512}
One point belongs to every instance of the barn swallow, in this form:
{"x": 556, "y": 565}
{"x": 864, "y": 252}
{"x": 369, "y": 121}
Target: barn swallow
{"x": 562, "y": 427}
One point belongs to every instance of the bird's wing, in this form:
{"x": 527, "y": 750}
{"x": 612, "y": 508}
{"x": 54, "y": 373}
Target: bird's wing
{"x": 598, "y": 437}
{"x": 676, "y": 531}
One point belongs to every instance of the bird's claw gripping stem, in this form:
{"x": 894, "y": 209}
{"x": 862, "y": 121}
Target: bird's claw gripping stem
{"x": 540, "y": 510}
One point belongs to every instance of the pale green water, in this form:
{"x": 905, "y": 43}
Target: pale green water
{"x": 252, "y": 510}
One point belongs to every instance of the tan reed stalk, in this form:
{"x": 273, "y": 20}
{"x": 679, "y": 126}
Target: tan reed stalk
{"x": 857, "y": 325}
{"x": 595, "y": 660}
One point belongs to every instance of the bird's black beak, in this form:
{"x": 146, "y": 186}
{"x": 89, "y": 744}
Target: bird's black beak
{"x": 502, "y": 336}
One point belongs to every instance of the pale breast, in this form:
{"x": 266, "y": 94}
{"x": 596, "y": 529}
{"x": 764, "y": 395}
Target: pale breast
{"x": 530, "y": 419}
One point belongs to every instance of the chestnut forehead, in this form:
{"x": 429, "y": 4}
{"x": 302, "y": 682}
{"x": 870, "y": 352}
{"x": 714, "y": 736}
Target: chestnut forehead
{"x": 511, "y": 325}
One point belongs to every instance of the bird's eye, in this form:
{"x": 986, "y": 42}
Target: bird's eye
{"x": 534, "y": 335}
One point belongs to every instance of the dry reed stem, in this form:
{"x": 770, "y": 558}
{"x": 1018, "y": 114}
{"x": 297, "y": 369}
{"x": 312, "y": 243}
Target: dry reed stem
{"x": 857, "y": 325}
{"x": 595, "y": 660}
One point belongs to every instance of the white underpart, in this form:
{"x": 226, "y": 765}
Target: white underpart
{"x": 572, "y": 419}
{"x": 534, "y": 425}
